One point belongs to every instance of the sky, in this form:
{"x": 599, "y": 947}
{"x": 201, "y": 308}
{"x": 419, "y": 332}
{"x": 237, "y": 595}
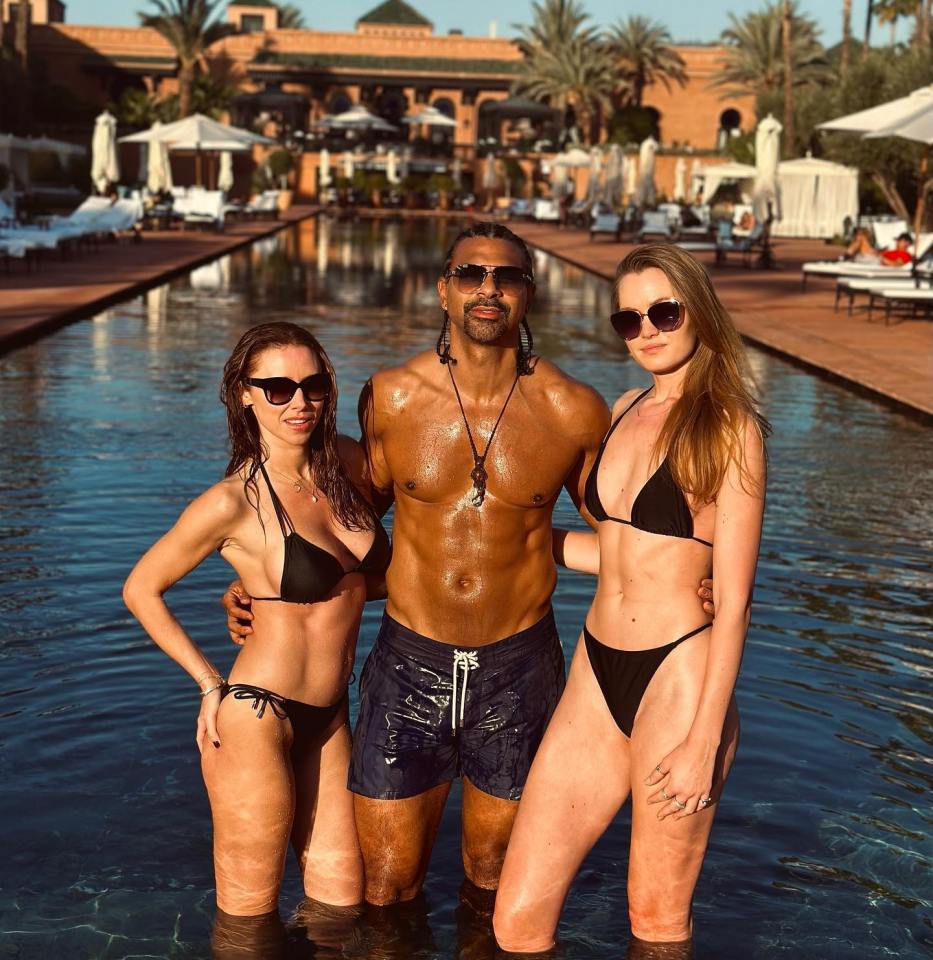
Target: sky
{"x": 687, "y": 21}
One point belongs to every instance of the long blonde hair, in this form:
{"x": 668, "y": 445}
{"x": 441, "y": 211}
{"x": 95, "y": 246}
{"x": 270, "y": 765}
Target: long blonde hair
{"x": 704, "y": 431}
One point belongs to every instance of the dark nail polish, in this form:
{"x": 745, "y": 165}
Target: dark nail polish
{"x": 217, "y": 743}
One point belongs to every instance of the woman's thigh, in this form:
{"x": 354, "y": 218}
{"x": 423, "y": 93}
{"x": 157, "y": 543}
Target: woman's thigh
{"x": 666, "y": 855}
{"x": 578, "y": 782}
{"x": 324, "y": 830}
{"x": 249, "y": 783}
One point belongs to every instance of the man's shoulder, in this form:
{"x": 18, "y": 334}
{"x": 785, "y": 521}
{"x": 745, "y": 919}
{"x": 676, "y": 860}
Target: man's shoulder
{"x": 568, "y": 395}
{"x": 394, "y": 385}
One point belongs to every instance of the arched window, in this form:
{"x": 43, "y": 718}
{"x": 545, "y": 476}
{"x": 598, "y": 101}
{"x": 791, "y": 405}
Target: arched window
{"x": 446, "y": 107}
{"x": 488, "y": 127}
{"x": 338, "y": 102}
{"x": 654, "y": 116}
{"x": 730, "y": 125}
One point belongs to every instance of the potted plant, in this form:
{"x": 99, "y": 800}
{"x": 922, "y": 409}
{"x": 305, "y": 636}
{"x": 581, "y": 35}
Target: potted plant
{"x": 443, "y": 184}
{"x": 342, "y": 186}
{"x": 280, "y": 164}
{"x": 411, "y": 187}
{"x": 375, "y": 182}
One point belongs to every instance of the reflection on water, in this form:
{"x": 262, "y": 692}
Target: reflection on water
{"x": 822, "y": 846}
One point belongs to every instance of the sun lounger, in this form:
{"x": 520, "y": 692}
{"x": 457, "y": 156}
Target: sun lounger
{"x": 265, "y": 205}
{"x": 204, "y": 208}
{"x": 655, "y": 223}
{"x": 520, "y": 208}
{"x": 604, "y": 220}
{"x": 851, "y": 287}
{"x": 887, "y": 231}
{"x": 728, "y": 242}
{"x": 907, "y": 295}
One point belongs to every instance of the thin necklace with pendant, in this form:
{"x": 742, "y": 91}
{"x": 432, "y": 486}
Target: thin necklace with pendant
{"x": 297, "y": 484}
{"x": 478, "y": 474}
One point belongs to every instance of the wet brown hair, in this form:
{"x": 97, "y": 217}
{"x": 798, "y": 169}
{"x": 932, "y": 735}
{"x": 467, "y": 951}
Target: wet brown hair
{"x": 247, "y": 450}
{"x": 704, "y": 431}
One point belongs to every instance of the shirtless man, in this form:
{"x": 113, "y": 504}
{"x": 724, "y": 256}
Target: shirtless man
{"x": 473, "y": 442}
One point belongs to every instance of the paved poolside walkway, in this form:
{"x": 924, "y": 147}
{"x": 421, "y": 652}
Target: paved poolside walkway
{"x": 770, "y": 309}
{"x": 36, "y": 302}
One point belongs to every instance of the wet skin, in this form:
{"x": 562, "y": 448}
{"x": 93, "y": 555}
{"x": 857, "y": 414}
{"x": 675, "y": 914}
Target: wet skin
{"x": 465, "y": 574}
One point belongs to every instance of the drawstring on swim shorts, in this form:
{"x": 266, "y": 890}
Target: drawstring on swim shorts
{"x": 465, "y": 661}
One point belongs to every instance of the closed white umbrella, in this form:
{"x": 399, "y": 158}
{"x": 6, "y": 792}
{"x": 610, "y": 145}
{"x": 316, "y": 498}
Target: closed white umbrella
{"x": 323, "y": 174}
{"x": 105, "y": 167}
{"x": 558, "y": 178}
{"x": 680, "y": 180}
{"x": 225, "y": 176}
{"x": 456, "y": 171}
{"x": 490, "y": 176}
{"x": 592, "y": 186}
{"x": 646, "y": 193}
{"x": 696, "y": 177}
{"x": 630, "y": 174}
{"x": 159, "y": 170}
{"x": 348, "y": 166}
{"x": 612, "y": 188}
{"x": 392, "y": 167}
{"x": 766, "y": 196}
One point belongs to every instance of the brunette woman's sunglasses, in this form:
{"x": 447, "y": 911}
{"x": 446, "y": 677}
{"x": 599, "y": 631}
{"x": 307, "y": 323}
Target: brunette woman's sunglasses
{"x": 665, "y": 316}
{"x": 279, "y": 390}
{"x": 469, "y": 277}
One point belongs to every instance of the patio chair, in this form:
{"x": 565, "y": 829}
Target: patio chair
{"x": 904, "y": 296}
{"x": 578, "y": 213}
{"x": 727, "y": 242}
{"x": 655, "y": 223}
{"x": 520, "y": 208}
{"x": 545, "y": 209}
{"x": 604, "y": 220}
{"x": 265, "y": 205}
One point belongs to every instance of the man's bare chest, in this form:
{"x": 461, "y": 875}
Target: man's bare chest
{"x": 431, "y": 458}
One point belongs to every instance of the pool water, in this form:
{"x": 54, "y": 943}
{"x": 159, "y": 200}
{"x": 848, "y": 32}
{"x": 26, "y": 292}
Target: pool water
{"x": 822, "y": 843}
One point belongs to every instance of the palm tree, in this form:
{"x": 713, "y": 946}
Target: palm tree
{"x": 290, "y": 17}
{"x": 787, "y": 45}
{"x": 191, "y": 28}
{"x": 644, "y": 48}
{"x": 846, "y": 36}
{"x": 566, "y": 63}
{"x": 754, "y": 61}
{"x": 890, "y": 11}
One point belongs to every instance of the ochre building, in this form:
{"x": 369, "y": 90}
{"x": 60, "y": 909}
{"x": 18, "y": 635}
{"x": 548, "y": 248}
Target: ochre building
{"x": 393, "y": 62}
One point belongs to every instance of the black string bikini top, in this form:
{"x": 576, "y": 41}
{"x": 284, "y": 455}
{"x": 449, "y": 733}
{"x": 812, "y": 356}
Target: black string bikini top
{"x": 660, "y": 506}
{"x": 309, "y": 572}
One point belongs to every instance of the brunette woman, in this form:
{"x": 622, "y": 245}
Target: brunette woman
{"x": 290, "y": 519}
{"x": 648, "y": 712}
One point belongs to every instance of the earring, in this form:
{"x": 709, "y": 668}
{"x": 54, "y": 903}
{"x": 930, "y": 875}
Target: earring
{"x": 443, "y": 342}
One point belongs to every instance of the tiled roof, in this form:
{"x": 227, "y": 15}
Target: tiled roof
{"x": 395, "y": 12}
{"x": 446, "y": 65}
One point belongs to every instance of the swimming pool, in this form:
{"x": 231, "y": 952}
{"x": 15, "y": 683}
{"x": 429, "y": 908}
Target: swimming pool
{"x": 822, "y": 845}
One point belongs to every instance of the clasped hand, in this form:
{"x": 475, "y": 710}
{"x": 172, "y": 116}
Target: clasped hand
{"x": 683, "y": 780}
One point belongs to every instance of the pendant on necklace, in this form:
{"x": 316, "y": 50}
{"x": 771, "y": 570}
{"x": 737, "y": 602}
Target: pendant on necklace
{"x": 479, "y": 477}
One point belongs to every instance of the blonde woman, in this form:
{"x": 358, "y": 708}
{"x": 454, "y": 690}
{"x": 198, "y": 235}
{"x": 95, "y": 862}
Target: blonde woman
{"x": 648, "y": 712}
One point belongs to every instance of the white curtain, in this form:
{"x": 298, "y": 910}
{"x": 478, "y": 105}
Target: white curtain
{"x": 680, "y": 180}
{"x": 324, "y": 177}
{"x": 646, "y": 194}
{"x": 816, "y": 196}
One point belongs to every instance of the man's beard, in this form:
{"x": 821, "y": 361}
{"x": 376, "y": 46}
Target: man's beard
{"x": 485, "y": 329}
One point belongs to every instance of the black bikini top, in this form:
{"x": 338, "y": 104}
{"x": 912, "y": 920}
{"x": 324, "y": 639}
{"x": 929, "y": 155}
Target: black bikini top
{"x": 660, "y": 506}
{"x": 309, "y": 572}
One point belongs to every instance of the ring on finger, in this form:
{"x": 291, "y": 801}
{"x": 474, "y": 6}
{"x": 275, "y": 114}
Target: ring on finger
{"x": 705, "y": 801}
{"x": 664, "y": 794}
{"x": 679, "y": 805}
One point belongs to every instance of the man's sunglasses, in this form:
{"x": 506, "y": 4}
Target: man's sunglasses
{"x": 665, "y": 316}
{"x": 469, "y": 277}
{"x": 279, "y": 390}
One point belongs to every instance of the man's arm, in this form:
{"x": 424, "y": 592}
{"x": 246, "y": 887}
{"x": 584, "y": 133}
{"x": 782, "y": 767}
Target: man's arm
{"x": 376, "y": 472}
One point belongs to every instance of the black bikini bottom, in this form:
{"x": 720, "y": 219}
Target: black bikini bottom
{"x": 624, "y": 675}
{"x": 306, "y": 716}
